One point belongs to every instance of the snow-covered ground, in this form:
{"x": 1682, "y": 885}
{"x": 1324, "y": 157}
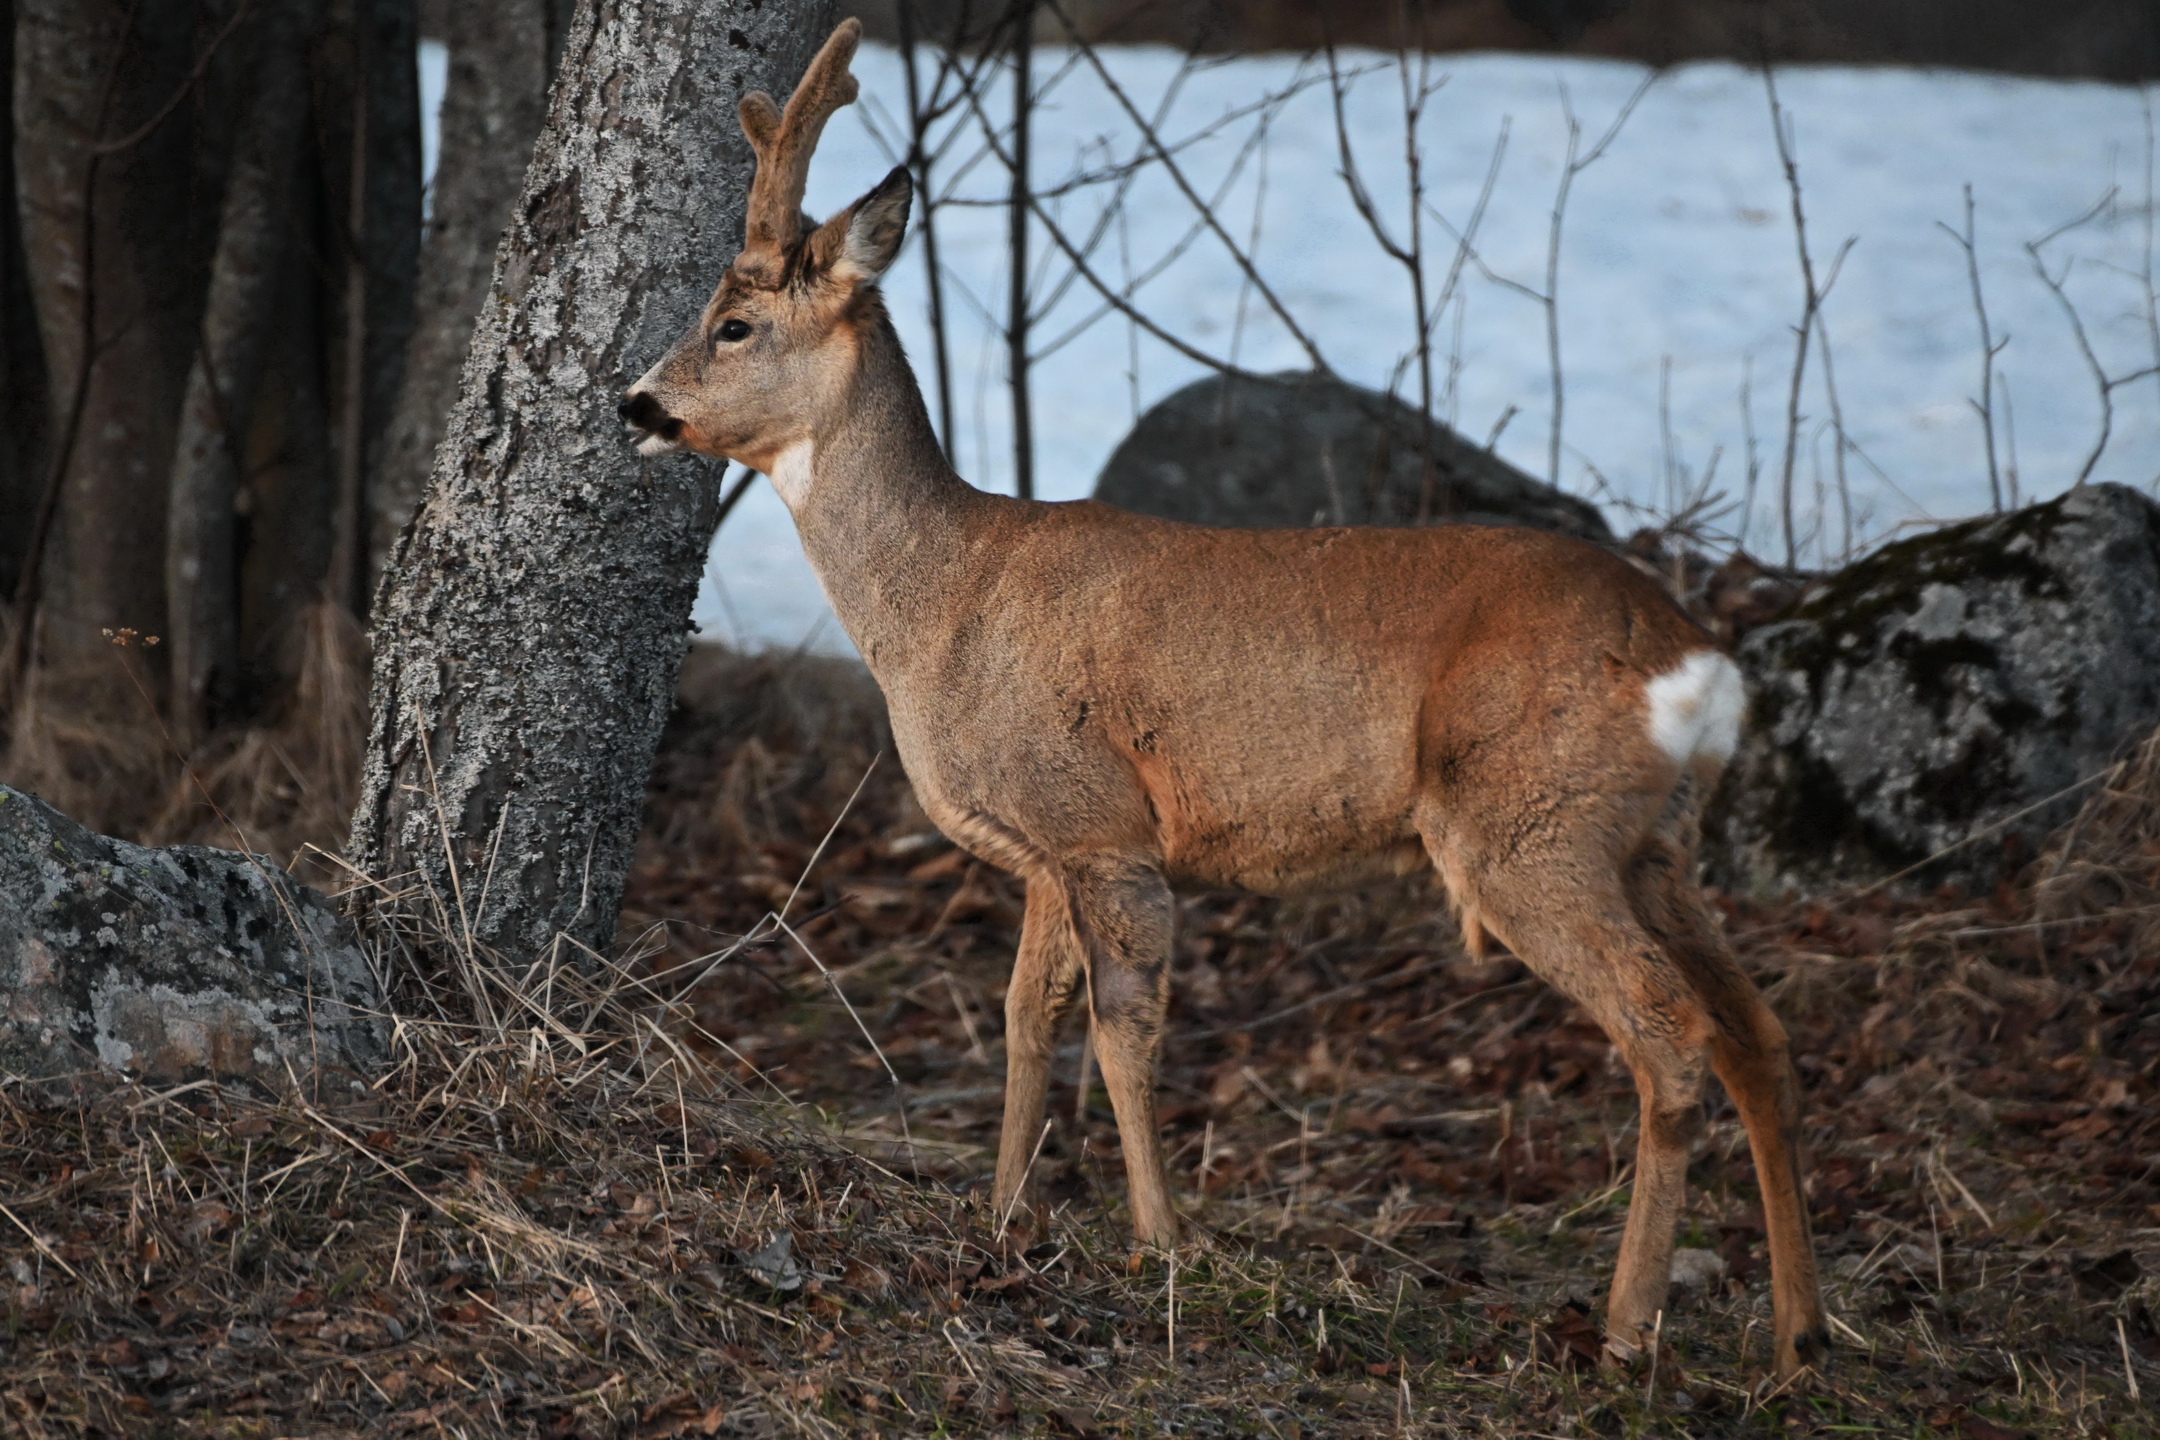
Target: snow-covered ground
{"x": 1677, "y": 271}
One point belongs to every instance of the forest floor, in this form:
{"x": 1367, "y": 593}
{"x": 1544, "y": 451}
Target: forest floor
{"x": 746, "y": 1194}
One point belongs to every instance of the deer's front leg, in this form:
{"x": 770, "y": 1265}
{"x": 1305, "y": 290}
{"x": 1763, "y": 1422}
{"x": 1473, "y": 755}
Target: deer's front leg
{"x": 1123, "y": 912}
{"x": 1044, "y": 976}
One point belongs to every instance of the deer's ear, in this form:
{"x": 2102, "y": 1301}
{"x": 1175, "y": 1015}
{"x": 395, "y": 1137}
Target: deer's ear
{"x": 859, "y": 244}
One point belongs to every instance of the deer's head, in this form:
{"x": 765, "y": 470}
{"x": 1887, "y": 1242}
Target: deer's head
{"x": 776, "y": 346}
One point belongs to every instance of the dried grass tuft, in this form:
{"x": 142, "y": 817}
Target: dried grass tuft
{"x": 2107, "y": 860}
{"x": 96, "y": 746}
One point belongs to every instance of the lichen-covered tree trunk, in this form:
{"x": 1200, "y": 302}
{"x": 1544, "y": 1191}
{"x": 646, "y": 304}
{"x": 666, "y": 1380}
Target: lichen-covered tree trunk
{"x": 533, "y": 615}
{"x": 501, "y": 56}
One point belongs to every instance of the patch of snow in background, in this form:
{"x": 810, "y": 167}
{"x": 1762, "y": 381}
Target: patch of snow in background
{"x": 1678, "y": 251}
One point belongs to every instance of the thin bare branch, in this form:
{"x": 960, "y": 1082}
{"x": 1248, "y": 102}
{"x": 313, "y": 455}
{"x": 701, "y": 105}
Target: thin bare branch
{"x": 1111, "y": 296}
{"x": 2145, "y": 253}
{"x": 1466, "y": 238}
{"x": 1152, "y": 139}
{"x": 1016, "y": 295}
{"x": 1114, "y": 207}
{"x": 2104, "y": 384}
{"x": 918, "y": 162}
{"x": 181, "y": 92}
{"x": 1803, "y": 333}
{"x": 1990, "y": 347}
{"x": 1576, "y": 164}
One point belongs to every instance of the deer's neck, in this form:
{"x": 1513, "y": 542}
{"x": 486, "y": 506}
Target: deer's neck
{"x": 893, "y": 534}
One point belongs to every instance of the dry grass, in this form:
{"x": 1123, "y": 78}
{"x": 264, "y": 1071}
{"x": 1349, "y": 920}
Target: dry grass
{"x": 1407, "y": 1170}
{"x": 96, "y": 747}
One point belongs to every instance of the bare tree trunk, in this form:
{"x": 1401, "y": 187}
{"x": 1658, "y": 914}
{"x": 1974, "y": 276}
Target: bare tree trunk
{"x": 533, "y": 614}
{"x": 501, "y": 56}
{"x": 150, "y": 237}
{"x": 201, "y": 576}
{"x": 104, "y": 244}
{"x": 377, "y": 192}
{"x": 289, "y": 503}
{"x": 22, "y": 358}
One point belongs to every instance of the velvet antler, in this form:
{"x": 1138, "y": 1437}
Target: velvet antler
{"x": 784, "y": 142}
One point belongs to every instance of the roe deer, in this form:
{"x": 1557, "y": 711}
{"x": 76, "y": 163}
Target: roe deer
{"x": 1110, "y": 705}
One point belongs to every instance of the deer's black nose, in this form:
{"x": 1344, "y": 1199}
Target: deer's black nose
{"x": 640, "y": 409}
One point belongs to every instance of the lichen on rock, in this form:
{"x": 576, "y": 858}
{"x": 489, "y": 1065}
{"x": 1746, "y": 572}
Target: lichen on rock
{"x": 1949, "y": 690}
{"x": 170, "y": 965}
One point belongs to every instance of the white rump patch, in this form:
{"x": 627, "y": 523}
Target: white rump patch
{"x": 790, "y": 474}
{"x": 1695, "y": 707}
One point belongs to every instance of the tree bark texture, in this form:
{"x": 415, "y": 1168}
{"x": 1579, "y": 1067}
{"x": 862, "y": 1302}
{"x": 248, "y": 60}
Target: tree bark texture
{"x": 285, "y": 512}
{"x": 22, "y": 356}
{"x": 187, "y": 249}
{"x": 534, "y": 613}
{"x": 501, "y": 58}
{"x": 105, "y": 243}
{"x": 201, "y": 581}
{"x": 376, "y": 191}
{"x": 135, "y": 155}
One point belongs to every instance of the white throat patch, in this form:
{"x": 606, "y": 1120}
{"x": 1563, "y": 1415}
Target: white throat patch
{"x": 1695, "y": 707}
{"x": 790, "y": 473}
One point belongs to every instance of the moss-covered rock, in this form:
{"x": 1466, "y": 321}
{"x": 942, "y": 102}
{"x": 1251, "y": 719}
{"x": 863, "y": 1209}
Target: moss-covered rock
{"x": 1924, "y": 697}
{"x": 171, "y": 965}
{"x": 1302, "y": 448}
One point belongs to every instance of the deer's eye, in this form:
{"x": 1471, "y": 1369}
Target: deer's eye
{"x": 733, "y": 329}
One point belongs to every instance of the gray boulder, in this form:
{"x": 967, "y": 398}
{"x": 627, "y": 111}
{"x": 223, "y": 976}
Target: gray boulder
{"x": 1940, "y": 687}
{"x": 171, "y": 965}
{"x": 1302, "y": 448}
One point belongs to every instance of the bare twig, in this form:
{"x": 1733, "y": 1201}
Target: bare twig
{"x": 2010, "y": 468}
{"x": 1466, "y": 238}
{"x": 1578, "y": 161}
{"x": 1016, "y": 303}
{"x": 1408, "y": 253}
{"x": 918, "y": 161}
{"x": 1837, "y": 407}
{"x": 1118, "y": 171}
{"x": 2145, "y": 254}
{"x": 1252, "y": 246}
{"x": 1812, "y": 297}
{"x": 1990, "y": 347}
{"x": 1115, "y": 210}
{"x": 181, "y": 92}
{"x": 2103, "y": 383}
{"x": 734, "y": 495}
{"x": 1152, "y": 140}
{"x": 1078, "y": 257}
{"x": 1754, "y": 451}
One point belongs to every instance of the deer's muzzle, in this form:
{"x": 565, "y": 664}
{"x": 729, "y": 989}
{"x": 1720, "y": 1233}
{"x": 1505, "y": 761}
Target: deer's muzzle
{"x": 657, "y": 431}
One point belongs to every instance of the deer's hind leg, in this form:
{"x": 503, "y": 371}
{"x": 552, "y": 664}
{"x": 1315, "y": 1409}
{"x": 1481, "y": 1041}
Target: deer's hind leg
{"x": 1750, "y": 1053}
{"x": 1565, "y": 915}
{"x": 1123, "y": 914}
{"x": 1045, "y": 974}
